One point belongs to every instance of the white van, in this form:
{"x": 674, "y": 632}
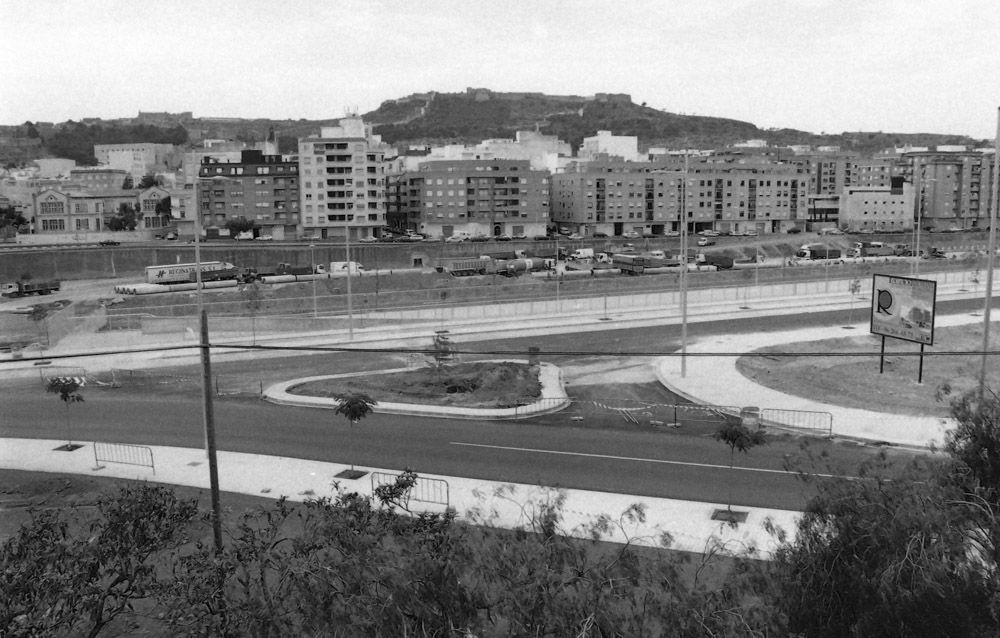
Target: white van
{"x": 581, "y": 253}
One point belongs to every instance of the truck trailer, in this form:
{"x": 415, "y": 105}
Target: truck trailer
{"x": 817, "y": 252}
{"x": 182, "y": 273}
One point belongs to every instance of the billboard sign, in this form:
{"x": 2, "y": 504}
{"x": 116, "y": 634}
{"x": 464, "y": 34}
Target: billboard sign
{"x": 903, "y": 307}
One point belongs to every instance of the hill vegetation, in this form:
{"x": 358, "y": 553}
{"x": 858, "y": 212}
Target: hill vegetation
{"x": 461, "y": 118}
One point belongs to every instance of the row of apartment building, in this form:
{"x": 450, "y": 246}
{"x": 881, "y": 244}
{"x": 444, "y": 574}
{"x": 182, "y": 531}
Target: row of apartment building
{"x": 346, "y": 180}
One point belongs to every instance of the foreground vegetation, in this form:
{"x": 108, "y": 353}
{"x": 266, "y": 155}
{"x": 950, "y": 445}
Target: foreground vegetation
{"x": 900, "y": 551}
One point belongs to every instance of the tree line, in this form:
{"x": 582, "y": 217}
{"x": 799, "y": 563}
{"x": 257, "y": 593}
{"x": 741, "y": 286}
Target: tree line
{"x": 898, "y": 549}
{"x": 75, "y": 140}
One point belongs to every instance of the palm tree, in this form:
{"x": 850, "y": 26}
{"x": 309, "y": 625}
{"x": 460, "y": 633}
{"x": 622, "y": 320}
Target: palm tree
{"x": 355, "y": 407}
{"x": 68, "y": 389}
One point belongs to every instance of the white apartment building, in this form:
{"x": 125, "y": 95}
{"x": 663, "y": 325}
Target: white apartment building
{"x": 878, "y": 209}
{"x": 342, "y": 174}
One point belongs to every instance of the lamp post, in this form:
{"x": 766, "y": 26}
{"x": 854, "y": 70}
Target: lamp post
{"x": 990, "y": 257}
{"x": 920, "y": 217}
{"x": 347, "y": 256}
{"x": 312, "y": 272}
{"x": 684, "y": 265}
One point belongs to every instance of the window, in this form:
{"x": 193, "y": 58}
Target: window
{"x": 51, "y": 208}
{"x": 53, "y": 224}
{"x": 84, "y": 224}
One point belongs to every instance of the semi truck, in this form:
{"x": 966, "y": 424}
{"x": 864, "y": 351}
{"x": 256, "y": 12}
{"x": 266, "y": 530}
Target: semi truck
{"x": 817, "y": 252}
{"x": 873, "y": 249}
{"x": 22, "y": 288}
{"x": 181, "y": 273}
{"x": 514, "y": 267}
{"x": 629, "y": 264}
{"x": 466, "y": 267}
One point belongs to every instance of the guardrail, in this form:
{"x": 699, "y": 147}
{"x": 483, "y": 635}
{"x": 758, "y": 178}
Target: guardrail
{"x": 425, "y": 490}
{"x": 799, "y": 420}
{"x": 124, "y": 454}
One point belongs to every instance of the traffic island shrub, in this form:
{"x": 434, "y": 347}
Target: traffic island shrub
{"x": 481, "y": 384}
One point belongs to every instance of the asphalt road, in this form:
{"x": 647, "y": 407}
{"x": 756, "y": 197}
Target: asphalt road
{"x": 598, "y": 454}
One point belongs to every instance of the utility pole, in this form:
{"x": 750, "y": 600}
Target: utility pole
{"x": 206, "y": 395}
{"x": 990, "y": 257}
{"x": 209, "y": 414}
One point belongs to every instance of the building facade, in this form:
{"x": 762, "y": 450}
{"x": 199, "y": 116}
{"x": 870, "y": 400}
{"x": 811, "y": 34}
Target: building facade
{"x": 880, "y": 209}
{"x": 139, "y": 159}
{"x": 492, "y": 198}
{"x": 343, "y": 181}
{"x": 91, "y": 211}
{"x": 621, "y": 197}
{"x": 258, "y": 187}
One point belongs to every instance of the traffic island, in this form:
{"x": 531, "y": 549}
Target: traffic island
{"x": 733, "y": 517}
{"x": 350, "y": 475}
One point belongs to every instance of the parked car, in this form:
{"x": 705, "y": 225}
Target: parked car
{"x": 631, "y": 235}
{"x": 521, "y": 236}
{"x": 574, "y": 236}
{"x": 542, "y": 238}
{"x": 502, "y": 238}
{"x": 368, "y": 240}
{"x": 454, "y": 239}
{"x": 109, "y": 242}
{"x": 671, "y": 233}
{"x": 599, "y": 235}
{"x": 480, "y": 238}
{"x": 750, "y": 233}
{"x": 708, "y": 233}
{"x": 261, "y": 238}
{"x": 705, "y": 241}
{"x": 794, "y": 230}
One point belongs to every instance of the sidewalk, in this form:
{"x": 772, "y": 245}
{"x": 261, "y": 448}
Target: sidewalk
{"x": 688, "y": 523}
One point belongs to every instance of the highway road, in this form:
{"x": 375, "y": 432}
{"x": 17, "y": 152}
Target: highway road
{"x": 599, "y": 453}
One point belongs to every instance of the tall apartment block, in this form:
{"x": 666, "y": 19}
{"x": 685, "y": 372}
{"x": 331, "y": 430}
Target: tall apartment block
{"x": 619, "y": 197}
{"x": 478, "y": 197}
{"x": 952, "y": 188}
{"x": 343, "y": 181}
{"x": 259, "y": 187}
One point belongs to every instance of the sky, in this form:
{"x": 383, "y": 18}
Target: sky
{"x": 899, "y": 66}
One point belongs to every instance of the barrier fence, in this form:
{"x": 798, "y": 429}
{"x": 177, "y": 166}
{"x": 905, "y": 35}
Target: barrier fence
{"x": 424, "y": 490}
{"x": 124, "y": 454}
{"x": 804, "y": 421}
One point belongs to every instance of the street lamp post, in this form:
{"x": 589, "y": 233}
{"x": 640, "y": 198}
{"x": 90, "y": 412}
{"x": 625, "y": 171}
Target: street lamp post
{"x": 920, "y": 217}
{"x": 347, "y": 256}
{"x": 312, "y": 271}
{"x": 684, "y": 265}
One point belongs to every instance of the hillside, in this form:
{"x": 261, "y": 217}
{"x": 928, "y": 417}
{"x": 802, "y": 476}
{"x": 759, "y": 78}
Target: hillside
{"x": 477, "y": 114}
{"x": 450, "y": 118}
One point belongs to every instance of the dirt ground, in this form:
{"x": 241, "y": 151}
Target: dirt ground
{"x": 468, "y": 385}
{"x": 845, "y": 371}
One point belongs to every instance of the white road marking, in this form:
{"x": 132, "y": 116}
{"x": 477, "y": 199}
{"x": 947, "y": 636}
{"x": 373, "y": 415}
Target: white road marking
{"x": 638, "y": 458}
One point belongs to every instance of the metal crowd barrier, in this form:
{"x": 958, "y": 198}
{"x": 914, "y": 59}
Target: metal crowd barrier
{"x": 425, "y": 490}
{"x": 123, "y": 453}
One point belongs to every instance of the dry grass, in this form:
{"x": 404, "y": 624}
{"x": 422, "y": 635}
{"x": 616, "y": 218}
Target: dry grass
{"x": 467, "y": 385}
{"x": 854, "y": 381}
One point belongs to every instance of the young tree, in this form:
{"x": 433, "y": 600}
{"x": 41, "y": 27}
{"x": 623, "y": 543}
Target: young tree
{"x": 355, "y": 407}
{"x": 149, "y": 180}
{"x": 237, "y": 225}
{"x": 68, "y": 389}
{"x": 127, "y": 218}
{"x": 127, "y": 183}
{"x": 739, "y": 438}
{"x": 252, "y": 293}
